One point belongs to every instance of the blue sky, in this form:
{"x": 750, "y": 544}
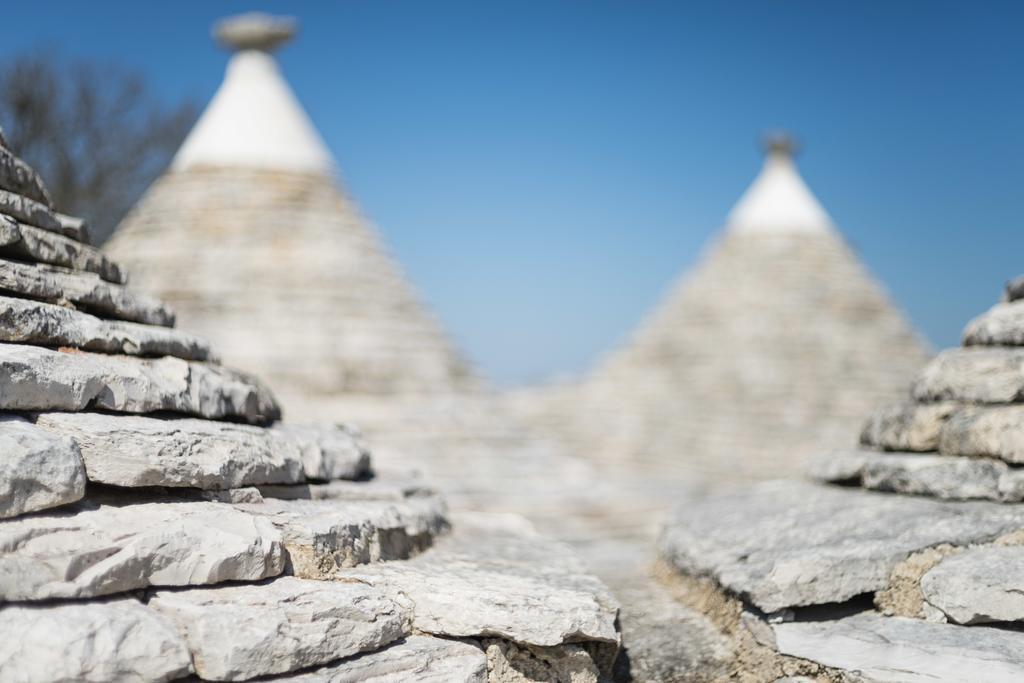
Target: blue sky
{"x": 544, "y": 170}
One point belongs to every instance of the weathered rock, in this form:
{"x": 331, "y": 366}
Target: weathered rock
{"x": 392, "y": 489}
{"x": 416, "y": 658}
{"x": 995, "y": 431}
{"x": 939, "y": 476}
{"x": 973, "y": 375}
{"x": 74, "y": 227}
{"x": 907, "y": 426}
{"x": 135, "y": 450}
{"x": 116, "y": 640}
{"x": 324, "y": 536}
{"x": 35, "y": 244}
{"x": 9, "y": 232}
{"x": 38, "y": 470}
{"x": 1001, "y": 325}
{"x": 841, "y": 467}
{"x": 18, "y": 177}
{"x": 23, "y": 321}
{"x": 335, "y": 452}
{"x": 240, "y": 632}
{"x": 491, "y": 577}
{"x": 1015, "y": 289}
{"x": 903, "y": 650}
{"x": 785, "y": 544}
{"x": 667, "y": 642}
{"x": 34, "y": 378}
{"x": 515, "y": 663}
{"x": 86, "y": 291}
{"x": 978, "y": 585}
{"x": 26, "y": 210}
{"x": 91, "y": 551}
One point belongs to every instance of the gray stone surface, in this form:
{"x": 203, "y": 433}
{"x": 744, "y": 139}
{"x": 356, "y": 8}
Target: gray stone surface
{"x": 493, "y": 577}
{"x": 1015, "y": 289}
{"x": 973, "y": 375}
{"x": 978, "y": 585}
{"x": 240, "y": 632}
{"x": 328, "y": 452}
{"x": 91, "y": 551}
{"x": 516, "y": 663}
{"x": 86, "y": 291}
{"x": 907, "y": 426}
{"x": 116, "y": 640}
{"x": 38, "y": 470}
{"x": 939, "y": 476}
{"x": 1001, "y": 325}
{"x": 897, "y": 649}
{"x": 24, "y": 321}
{"x": 35, "y": 244}
{"x": 845, "y": 466}
{"x": 416, "y": 659}
{"x": 18, "y": 177}
{"x": 785, "y": 544}
{"x": 324, "y": 536}
{"x": 136, "y": 450}
{"x": 26, "y": 210}
{"x": 34, "y": 378}
{"x": 380, "y": 488}
{"x": 996, "y": 431}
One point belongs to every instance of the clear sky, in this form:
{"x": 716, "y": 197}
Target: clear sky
{"x": 544, "y": 170}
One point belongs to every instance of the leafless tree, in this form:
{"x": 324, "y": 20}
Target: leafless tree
{"x": 95, "y": 132}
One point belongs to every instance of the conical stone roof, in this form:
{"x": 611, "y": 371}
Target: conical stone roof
{"x": 902, "y": 560}
{"x": 158, "y": 521}
{"x": 776, "y": 343}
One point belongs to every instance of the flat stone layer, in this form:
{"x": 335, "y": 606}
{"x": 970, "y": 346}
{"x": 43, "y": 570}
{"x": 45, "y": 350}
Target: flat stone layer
{"x": 386, "y": 488}
{"x": 898, "y": 649}
{"x": 1015, "y": 289}
{"x": 995, "y": 431}
{"x": 34, "y": 378}
{"x": 973, "y": 375}
{"x": 978, "y": 585}
{"x": 35, "y": 244}
{"x": 19, "y": 178}
{"x": 416, "y": 658}
{"x": 86, "y": 291}
{"x": 1001, "y": 325}
{"x": 787, "y": 544}
{"x": 38, "y": 470}
{"x": 939, "y": 476}
{"x": 494, "y": 578}
{"x": 27, "y": 210}
{"x": 335, "y": 452}
{"x": 92, "y": 551}
{"x": 907, "y": 426}
{"x": 240, "y": 632}
{"x": 135, "y": 450}
{"x": 324, "y": 536}
{"x": 23, "y": 321}
{"x": 116, "y": 640}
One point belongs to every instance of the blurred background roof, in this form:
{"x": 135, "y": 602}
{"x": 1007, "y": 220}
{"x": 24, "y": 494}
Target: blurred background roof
{"x": 544, "y": 170}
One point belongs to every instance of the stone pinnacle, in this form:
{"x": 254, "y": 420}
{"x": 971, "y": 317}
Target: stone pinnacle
{"x": 255, "y": 31}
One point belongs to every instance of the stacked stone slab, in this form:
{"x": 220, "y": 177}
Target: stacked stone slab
{"x": 158, "y": 521}
{"x": 902, "y": 560}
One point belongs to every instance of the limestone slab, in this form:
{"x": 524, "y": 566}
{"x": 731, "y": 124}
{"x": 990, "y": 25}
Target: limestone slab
{"x": 116, "y": 640}
{"x": 978, "y": 585}
{"x": 99, "y": 550}
{"x": 324, "y": 536}
{"x": 34, "y": 378}
{"x": 995, "y": 431}
{"x": 38, "y": 470}
{"x": 1001, "y": 325}
{"x": 973, "y": 375}
{"x": 940, "y": 476}
{"x": 86, "y": 291}
{"x": 845, "y": 466}
{"x": 23, "y": 321}
{"x": 418, "y": 659}
{"x": 785, "y": 544}
{"x": 897, "y": 649}
{"x": 243, "y": 631}
{"x": 509, "y": 662}
{"x": 36, "y": 244}
{"x": 388, "y": 489}
{"x": 27, "y": 210}
{"x": 136, "y": 450}
{"x": 907, "y": 426}
{"x": 332, "y": 452}
{"x": 1015, "y": 289}
{"x": 19, "y": 178}
{"x": 492, "y": 577}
